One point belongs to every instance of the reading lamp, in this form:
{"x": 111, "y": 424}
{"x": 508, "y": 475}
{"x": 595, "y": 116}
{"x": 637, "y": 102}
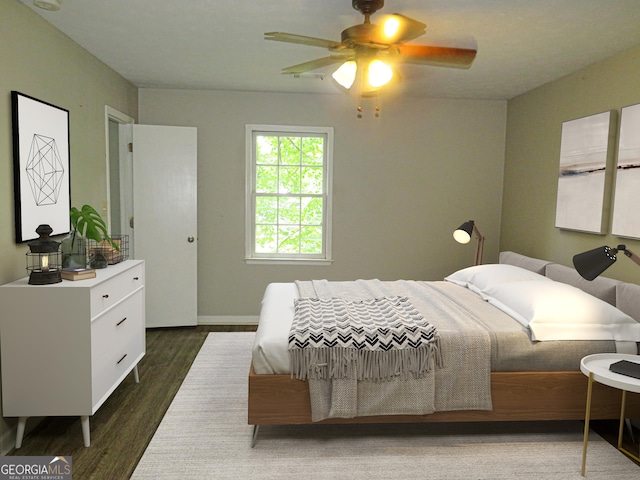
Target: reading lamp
{"x": 463, "y": 235}
{"x": 592, "y": 263}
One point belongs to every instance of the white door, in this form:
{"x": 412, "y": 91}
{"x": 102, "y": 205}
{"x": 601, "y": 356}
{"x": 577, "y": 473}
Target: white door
{"x": 165, "y": 221}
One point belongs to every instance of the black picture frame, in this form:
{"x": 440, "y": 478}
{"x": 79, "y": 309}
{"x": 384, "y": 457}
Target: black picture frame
{"x": 41, "y": 166}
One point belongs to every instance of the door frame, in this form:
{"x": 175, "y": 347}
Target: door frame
{"x": 125, "y": 135}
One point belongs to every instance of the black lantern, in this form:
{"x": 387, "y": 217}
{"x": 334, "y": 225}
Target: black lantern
{"x": 44, "y": 260}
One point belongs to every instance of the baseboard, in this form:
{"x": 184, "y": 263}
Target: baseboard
{"x": 227, "y": 320}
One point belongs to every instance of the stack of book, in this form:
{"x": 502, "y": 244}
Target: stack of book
{"x": 624, "y": 367}
{"x": 78, "y": 273}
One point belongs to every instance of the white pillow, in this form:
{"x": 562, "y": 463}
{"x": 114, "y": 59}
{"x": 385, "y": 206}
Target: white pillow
{"x": 481, "y": 277}
{"x": 557, "y": 311}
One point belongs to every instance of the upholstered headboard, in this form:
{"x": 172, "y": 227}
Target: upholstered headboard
{"x": 533, "y": 264}
{"x": 624, "y": 296}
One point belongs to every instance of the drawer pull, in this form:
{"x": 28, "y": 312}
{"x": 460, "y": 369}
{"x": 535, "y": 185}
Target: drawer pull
{"x": 106, "y": 295}
{"x": 121, "y": 322}
{"x": 123, "y": 357}
{"x": 136, "y": 278}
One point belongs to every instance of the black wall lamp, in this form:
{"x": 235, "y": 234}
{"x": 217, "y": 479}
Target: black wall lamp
{"x": 592, "y": 263}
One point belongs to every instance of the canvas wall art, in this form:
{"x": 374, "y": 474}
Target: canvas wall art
{"x": 41, "y": 166}
{"x": 584, "y": 178}
{"x": 626, "y": 214}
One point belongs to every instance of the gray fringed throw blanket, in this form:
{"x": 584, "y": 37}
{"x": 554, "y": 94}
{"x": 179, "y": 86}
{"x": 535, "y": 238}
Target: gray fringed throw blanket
{"x": 372, "y": 339}
{"x": 463, "y": 346}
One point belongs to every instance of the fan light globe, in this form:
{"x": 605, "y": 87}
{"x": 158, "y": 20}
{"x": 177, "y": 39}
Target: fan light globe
{"x": 379, "y": 74}
{"x": 391, "y": 27}
{"x": 346, "y": 74}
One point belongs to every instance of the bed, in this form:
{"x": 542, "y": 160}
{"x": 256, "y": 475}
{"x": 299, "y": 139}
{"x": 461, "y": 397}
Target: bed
{"x": 544, "y": 383}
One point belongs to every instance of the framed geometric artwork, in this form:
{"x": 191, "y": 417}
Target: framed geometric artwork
{"x": 584, "y": 174}
{"x": 626, "y": 211}
{"x": 40, "y": 166}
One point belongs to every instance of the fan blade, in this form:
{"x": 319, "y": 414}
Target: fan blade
{"x": 302, "y": 40}
{"x": 437, "y": 56}
{"x": 314, "y": 64}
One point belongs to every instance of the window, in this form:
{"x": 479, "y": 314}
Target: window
{"x": 288, "y": 203}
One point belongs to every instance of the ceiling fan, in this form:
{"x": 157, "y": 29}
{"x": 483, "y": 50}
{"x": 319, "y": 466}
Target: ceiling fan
{"x": 369, "y": 52}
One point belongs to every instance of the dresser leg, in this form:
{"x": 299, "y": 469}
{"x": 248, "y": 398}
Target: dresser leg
{"x": 136, "y": 376}
{"x": 84, "y": 420}
{"x": 22, "y": 422}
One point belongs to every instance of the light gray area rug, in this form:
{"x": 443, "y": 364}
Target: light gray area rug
{"x": 205, "y": 435}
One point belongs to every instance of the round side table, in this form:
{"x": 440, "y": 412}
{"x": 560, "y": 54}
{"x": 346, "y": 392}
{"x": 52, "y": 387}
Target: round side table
{"x": 596, "y": 367}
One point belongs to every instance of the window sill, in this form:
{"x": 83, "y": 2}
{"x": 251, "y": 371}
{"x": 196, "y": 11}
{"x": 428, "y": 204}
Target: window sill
{"x": 288, "y": 261}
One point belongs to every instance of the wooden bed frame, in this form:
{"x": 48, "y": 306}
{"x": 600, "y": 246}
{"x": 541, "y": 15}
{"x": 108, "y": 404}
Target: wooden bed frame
{"x": 516, "y": 396}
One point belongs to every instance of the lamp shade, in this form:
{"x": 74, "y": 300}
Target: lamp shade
{"x": 463, "y": 233}
{"x": 365, "y": 75}
{"x": 345, "y": 75}
{"x": 592, "y": 263}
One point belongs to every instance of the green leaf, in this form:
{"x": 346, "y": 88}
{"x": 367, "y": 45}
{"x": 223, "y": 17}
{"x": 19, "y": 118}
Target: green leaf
{"x": 90, "y": 224}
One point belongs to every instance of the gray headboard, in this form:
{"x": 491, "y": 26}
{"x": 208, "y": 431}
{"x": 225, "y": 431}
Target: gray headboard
{"x": 624, "y": 296}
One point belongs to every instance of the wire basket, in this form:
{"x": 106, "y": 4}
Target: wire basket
{"x": 108, "y": 251}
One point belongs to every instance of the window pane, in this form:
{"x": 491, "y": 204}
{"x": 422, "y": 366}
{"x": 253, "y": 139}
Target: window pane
{"x": 312, "y": 150}
{"x": 266, "y": 239}
{"x": 289, "y": 180}
{"x": 311, "y": 211}
{"x": 312, "y": 180}
{"x": 311, "y": 240}
{"x": 266, "y": 179}
{"x": 289, "y": 211}
{"x": 266, "y": 149}
{"x": 290, "y": 192}
{"x": 266, "y": 210}
{"x": 290, "y": 150}
{"x": 288, "y": 239}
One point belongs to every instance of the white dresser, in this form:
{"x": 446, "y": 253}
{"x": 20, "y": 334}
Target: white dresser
{"x": 66, "y": 347}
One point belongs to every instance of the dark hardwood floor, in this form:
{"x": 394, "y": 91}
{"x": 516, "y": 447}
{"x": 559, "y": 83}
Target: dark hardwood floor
{"x": 123, "y": 427}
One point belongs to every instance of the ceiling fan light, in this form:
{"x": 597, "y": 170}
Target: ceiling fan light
{"x": 345, "y": 75}
{"x": 391, "y": 27}
{"x": 379, "y": 73}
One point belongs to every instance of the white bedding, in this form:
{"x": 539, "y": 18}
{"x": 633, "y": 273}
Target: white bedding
{"x": 271, "y": 346}
{"x": 512, "y": 349}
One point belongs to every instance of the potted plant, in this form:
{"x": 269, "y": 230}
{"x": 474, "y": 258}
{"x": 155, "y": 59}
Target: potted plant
{"x": 87, "y": 223}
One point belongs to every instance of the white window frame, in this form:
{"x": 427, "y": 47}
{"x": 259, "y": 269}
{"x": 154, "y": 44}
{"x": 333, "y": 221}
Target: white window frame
{"x": 252, "y": 257}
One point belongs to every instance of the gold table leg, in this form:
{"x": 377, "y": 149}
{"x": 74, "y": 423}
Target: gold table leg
{"x": 623, "y": 405}
{"x": 621, "y": 428}
{"x": 587, "y": 417}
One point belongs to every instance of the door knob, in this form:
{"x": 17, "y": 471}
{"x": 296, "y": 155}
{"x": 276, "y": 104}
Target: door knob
{"x": 190, "y": 239}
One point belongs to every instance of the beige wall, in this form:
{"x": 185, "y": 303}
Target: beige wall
{"x": 39, "y": 61}
{"x": 534, "y": 125}
{"x": 402, "y": 184}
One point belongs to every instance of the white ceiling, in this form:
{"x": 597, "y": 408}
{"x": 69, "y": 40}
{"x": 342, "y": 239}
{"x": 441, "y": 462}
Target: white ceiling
{"x": 218, "y": 44}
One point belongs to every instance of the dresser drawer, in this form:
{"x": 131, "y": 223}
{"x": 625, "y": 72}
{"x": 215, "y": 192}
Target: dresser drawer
{"x": 109, "y": 368}
{"x": 110, "y": 292}
{"x": 118, "y": 325}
